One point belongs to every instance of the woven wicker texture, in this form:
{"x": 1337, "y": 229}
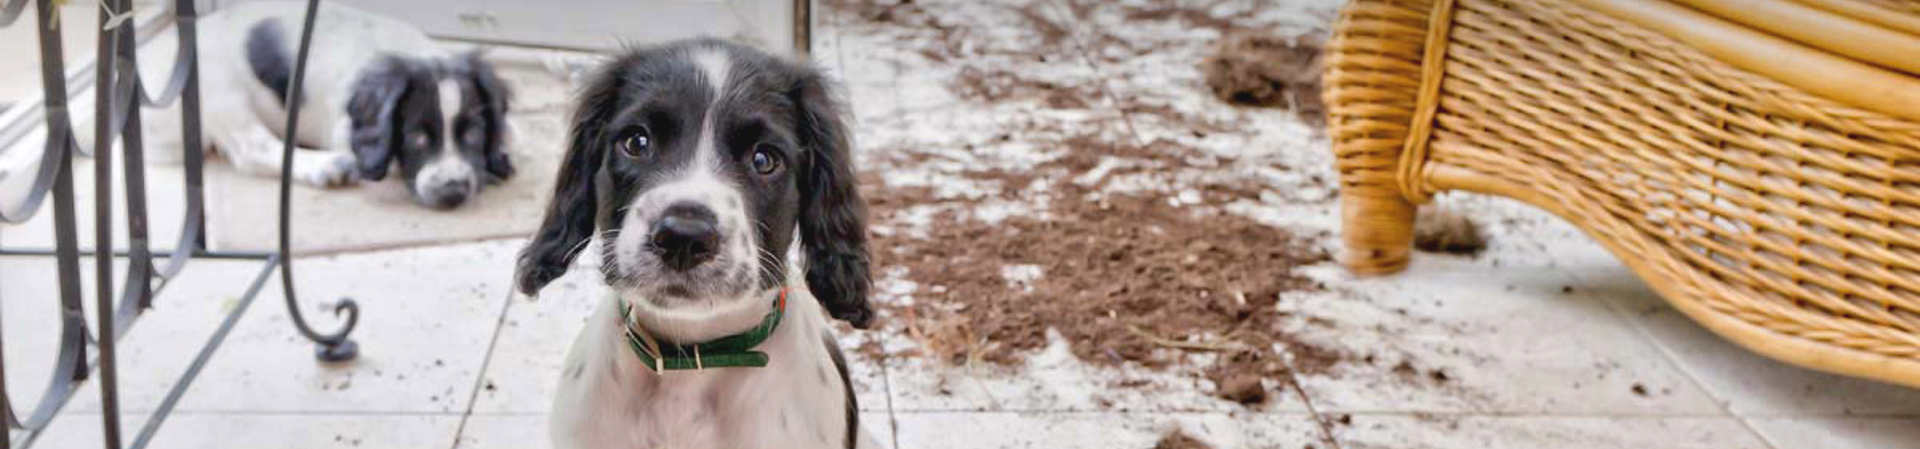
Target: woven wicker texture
{"x": 1902, "y": 15}
{"x": 1907, "y": 7}
{"x": 1786, "y": 222}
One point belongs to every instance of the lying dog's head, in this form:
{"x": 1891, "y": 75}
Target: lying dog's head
{"x": 442, "y": 121}
{"x": 693, "y": 163}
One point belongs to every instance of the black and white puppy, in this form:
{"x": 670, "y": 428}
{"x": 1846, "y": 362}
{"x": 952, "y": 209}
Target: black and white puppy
{"x": 377, "y": 93}
{"x": 692, "y": 164}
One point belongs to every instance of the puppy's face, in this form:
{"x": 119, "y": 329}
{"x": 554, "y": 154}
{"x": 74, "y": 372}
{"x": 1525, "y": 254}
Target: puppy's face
{"x": 442, "y": 122}
{"x": 692, "y": 165}
{"x": 699, "y": 197}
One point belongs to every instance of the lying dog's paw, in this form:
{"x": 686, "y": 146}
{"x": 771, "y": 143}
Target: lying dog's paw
{"x": 327, "y": 170}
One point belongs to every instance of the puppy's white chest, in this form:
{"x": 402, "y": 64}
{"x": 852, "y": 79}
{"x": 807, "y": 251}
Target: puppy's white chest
{"x": 657, "y": 423}
{"x": 729, "y": 411}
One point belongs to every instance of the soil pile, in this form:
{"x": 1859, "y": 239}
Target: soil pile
{"x": 1126, "y": 274}
{"x": 1125, "y": 278}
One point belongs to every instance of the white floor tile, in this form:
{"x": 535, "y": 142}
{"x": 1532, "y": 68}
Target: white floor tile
{"x": 31, "y": 318}
{"x": 1543, "y": 432}
{"x": 484, "y": 431}
{"x": 1054, "y": 381}
{"x": 1457, "y": 335}
{"x": 932, "y": 430}
{"x": 166, "y": 338}
{"x": 1840, "y": 433}
{"x": 533, "y": 344}
{"x": 213, "y": 431}
{"x": 1750, "y": 384}
{"x": 428, "y": 316}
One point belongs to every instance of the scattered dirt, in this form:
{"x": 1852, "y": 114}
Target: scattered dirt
{"x": 1639, "y": 389}
{"x": 1178, "y": 439}
{"x": 1196, "y": 17}
{"x": 1051, "y": 32}
{"x": 1123, "y": 277}
{"x": 1256, "y": 68}
{"x": 1151, "y": 278}
{"x": 994, "y": 85}
{"x": 1441, "y": 230}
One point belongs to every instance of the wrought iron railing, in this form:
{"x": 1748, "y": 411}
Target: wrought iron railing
{"x": 120, "y": 93}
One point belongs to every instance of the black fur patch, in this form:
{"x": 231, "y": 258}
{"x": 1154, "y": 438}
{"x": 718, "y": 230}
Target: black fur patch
{"x": 267, "y": 55}
{"x": 846, "y": 384}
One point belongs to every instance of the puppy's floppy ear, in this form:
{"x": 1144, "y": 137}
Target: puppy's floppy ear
{"x": 571, "y": 213}
{"x": 494, "y": 96}
{"x": 372, "y": 113}
{"x": 833, "y": 219}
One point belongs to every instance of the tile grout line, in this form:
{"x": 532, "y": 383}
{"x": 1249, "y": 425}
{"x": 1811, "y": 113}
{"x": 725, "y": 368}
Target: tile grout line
{"x": 840, "y": 64}
{"x": 480, "y": 377}
{"x": 1620, "y": 313}
{"x": 268, "y": 413}
{"x": 1293, "y": 380}
{"x": 893, "y": 418}
{"x": 1390, "y": 413}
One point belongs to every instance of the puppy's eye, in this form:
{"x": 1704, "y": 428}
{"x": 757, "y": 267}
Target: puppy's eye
{"x": 473, "y": 136}
{"x": 418, "y": 139}
{"x": 766, "y": 159}
{"x": 636, "y": 143}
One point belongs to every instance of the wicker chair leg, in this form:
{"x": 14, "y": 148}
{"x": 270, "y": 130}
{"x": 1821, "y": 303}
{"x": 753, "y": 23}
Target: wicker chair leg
{"x": 1373, "y": 64}
{"x": 1378, "y": 226}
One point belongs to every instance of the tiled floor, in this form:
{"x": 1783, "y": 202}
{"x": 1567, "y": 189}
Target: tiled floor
{"x": 1544, "y": 341}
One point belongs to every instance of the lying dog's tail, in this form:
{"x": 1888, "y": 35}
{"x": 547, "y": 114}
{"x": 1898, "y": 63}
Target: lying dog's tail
{"x": 267, "y": 55}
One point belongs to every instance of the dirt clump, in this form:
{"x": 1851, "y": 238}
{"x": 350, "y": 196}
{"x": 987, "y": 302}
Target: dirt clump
{"x": 1124, "y": 278}
{"x": 1254, "y": 68}
{"x": 1178, "y": 439}
{"x": 1442, "y": 230}
{"x": 1243, "y": 387}
{"x": 1120, "y": 277}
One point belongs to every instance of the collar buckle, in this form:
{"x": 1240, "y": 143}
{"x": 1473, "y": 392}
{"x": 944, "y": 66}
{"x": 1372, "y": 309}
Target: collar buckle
{"x": 730, "y": 351}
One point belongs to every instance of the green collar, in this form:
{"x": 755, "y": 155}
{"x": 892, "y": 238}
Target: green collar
{"x": 732, "y": 350}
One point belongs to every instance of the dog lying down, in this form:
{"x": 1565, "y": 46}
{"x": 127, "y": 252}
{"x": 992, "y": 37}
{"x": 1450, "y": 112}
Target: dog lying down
{"x": 377, "y": 93}
{"x": 692, "y": 165}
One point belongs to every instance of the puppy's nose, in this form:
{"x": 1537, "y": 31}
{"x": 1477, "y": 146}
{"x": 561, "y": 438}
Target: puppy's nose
{"x": 449, "y": 195}
{"x": 685, "y": 236}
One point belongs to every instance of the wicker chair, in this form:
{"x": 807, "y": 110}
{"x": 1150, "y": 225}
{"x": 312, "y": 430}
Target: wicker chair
{"x": 1757, "y": 162}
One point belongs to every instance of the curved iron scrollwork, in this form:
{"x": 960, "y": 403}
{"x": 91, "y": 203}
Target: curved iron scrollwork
{"x": 118, "y": 116}
{"x": 334, "y": 346}
{"x": 11, "y": 11}
{"x": 53, "y": 177}
{"x": 59, "y": 134}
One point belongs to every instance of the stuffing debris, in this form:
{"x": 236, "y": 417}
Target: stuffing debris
{"x": 1178, "y": 439}
{"x": 1258, "y": 69}
{"x": 1443, "y": 230}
